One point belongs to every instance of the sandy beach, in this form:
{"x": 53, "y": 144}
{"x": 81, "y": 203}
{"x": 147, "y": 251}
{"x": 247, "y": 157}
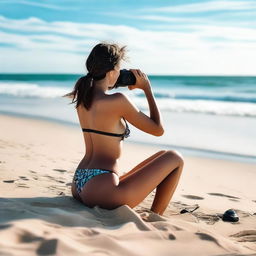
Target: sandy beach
{"x": 38, "y": 215}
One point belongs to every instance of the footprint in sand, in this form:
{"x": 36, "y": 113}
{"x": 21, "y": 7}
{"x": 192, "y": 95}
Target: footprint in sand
{"x": 28, "y": 237}
{"x": 245, "y": 236}
{"x": 204, "y": 236}
{"x": 223, "y": 195}
{"x": 60, "y": 170}
{"x": 179, "y": 204}
{"x": 32, "y": 171}
{"x": 9, "y": 181}
{"x": 22, "y": 185}
{"x": 47, "y": 247}
{"x": 54, "y": 179}
{"x": 210, "y": 219}
{"x": 23, "y": 177}
{"x": 234, "y": 200}
{"x": 60, "y": 181}
{"x": 48, "y": 176}
{"x": 193, "y": 197}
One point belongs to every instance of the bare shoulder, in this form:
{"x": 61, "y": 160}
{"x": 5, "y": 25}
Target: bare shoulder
{"x": 122, "y": 105}
{"x": 109, "y": 99}
{"x": 118, "y": 98}
{"x": 113, "y": 103}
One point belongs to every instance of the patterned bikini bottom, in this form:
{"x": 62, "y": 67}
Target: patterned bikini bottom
{"x": 83, "y": 175}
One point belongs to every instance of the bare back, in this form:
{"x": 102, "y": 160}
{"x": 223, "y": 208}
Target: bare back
{"x": 101, "y": 151}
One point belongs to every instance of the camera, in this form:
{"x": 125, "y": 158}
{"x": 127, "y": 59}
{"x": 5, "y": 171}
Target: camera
{"x": 125, "y": 78}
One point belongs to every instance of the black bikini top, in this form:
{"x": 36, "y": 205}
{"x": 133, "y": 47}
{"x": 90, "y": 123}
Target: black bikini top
{"x": 123, "y": 135}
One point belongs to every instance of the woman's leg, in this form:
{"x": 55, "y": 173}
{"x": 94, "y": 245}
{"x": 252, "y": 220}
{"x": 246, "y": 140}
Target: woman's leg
{"x": 142, "y": 164}
{"x": 162, "y": 173}
{"x": 165, "y": 191}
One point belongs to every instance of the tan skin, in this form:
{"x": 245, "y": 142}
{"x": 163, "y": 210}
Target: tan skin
{"x": 161, "y": 171}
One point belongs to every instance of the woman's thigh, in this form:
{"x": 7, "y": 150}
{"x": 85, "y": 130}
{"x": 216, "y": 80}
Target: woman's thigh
{"x": 138, "y": 185}
{"x": 142, "y": 164}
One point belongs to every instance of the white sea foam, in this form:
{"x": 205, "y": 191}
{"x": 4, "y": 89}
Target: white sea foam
{"x": 209, "y": 106}
{"x": 211, "y": 103}
{"x": 202, "y": 106}
{"x": 31, "y": 90}
{"x": 220, "y": 95}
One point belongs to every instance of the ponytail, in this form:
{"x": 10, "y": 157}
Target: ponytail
{"x": 103, "y": 58}
{"x": 83, "y": 91}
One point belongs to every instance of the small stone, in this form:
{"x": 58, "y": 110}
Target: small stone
{"x": 172, "y": 237}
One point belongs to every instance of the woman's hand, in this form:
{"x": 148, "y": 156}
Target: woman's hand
{"x": 142, "y": 81}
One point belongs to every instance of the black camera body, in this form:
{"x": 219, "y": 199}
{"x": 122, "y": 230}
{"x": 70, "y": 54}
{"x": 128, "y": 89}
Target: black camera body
{"x": 125, "y": 78}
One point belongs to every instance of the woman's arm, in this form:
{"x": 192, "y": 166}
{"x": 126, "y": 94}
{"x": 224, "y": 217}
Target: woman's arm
{"x": 155, "y": 114}
{"x": 124, "y": 107}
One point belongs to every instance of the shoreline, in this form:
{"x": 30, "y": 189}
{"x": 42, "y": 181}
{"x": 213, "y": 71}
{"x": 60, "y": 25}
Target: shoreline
{"x": 188, "y": 151}
{"x": 37, "y": 163}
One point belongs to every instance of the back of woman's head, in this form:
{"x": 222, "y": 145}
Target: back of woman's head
{"x": 103, "y": 58}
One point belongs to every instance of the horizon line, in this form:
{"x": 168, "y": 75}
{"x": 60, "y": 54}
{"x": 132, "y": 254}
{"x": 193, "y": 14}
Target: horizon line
{"x": 222, "y": 75}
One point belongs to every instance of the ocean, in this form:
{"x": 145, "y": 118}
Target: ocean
{"x": 203, "y": 115}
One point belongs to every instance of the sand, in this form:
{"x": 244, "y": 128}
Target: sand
{"x": 38, "y": 215}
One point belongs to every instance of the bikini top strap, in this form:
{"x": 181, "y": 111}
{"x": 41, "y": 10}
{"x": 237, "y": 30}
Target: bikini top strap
{"x": 101, "y": 132}
{"x": 125, "y": 122}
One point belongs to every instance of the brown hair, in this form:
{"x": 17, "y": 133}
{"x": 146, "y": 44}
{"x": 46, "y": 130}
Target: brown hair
{"x": 103, "y": 58}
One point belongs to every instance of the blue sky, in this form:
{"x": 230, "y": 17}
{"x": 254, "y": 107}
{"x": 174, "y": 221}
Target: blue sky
{"x": 163, "y": 37}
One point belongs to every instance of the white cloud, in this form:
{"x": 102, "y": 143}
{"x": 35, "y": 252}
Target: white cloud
{"x": 225, "y": 32}
{"x": 45, "y": 42}
{"x": 59, "y": 46}
{"x": 170, "y": 21}
{"x": 206, "y": 7}
{"x": 42, "y": 5}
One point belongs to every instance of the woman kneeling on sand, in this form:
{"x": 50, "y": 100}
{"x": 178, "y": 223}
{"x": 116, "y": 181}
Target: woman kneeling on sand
{"x": 103, "y": 121}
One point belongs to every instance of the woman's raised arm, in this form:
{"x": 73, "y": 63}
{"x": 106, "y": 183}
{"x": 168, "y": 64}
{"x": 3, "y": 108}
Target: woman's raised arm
{"x": 127, "y": 109}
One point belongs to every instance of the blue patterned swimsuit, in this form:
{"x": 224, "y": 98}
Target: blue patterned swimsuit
{"x": 83, "y": 175}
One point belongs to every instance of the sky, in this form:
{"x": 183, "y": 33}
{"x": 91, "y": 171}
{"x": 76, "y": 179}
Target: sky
{"x": 178, "y": 37}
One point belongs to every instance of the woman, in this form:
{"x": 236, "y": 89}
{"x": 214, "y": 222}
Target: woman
{"x": 103, "y": 120}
